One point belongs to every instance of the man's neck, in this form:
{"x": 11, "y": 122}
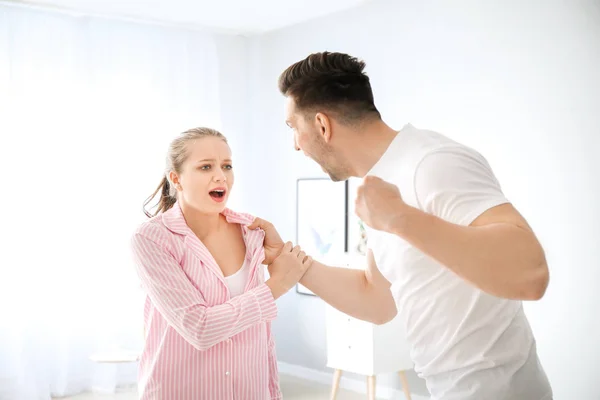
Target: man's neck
{"x": 369, "y": 146}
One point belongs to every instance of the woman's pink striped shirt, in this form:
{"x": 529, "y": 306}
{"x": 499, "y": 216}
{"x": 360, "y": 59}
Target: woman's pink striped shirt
{"x": 201, "y": 344}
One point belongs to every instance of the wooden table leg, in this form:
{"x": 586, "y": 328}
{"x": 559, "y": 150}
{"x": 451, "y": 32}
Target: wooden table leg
{"x": 405, "y": 385}
{"x": 336, "y": 383}
{"x": 371, "y": 383}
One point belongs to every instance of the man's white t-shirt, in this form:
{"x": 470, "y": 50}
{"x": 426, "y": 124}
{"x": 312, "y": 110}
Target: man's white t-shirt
{"x": 467, "y": 344}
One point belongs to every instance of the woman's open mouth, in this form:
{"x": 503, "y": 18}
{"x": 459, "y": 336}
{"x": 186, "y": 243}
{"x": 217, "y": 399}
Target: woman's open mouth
{"x": 218, "y": 194}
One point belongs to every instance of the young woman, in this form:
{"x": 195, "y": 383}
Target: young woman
{"x": 208, "y": 309}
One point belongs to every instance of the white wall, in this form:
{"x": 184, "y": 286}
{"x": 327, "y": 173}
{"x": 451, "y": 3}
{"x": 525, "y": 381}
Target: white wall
{"x": 234, "y": 92}
{"x": 519, "y": 82}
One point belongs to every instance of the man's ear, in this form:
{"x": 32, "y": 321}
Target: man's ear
{"x": 323, "y": 123}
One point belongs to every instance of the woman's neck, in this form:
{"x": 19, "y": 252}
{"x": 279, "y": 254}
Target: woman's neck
{"x": 202, "y": 224}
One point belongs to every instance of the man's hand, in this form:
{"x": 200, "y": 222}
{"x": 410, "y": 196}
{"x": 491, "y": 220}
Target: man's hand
{"x": 287, "y": 269}
{"x": 378, "y": 203}
{"x": 273, "y": 243}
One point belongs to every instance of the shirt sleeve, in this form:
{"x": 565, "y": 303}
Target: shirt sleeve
{"x": 183, "y": 306}
{"x": 274, "y": 388}
{"x": 456, "y": 184}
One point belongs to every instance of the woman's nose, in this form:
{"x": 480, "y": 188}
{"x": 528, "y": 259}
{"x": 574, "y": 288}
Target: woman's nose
{"x": 219, "y": 177}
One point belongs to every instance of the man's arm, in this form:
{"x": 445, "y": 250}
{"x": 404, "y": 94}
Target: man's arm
{"x": 464, "y": 222}
{"x": 497, "y": 252}
{"x": 363, "y": 294}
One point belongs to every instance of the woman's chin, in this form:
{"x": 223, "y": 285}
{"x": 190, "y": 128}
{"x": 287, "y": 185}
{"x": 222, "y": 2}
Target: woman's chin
{"x": 211, "y": 207}
{"x": 217, "y": 206}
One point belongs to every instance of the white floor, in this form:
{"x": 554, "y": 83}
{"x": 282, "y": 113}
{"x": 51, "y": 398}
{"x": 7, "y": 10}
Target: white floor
{"x": 292, "y": 388}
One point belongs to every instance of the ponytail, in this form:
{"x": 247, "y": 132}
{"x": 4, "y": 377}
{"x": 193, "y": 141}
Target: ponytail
{"x": 165, "y": 202}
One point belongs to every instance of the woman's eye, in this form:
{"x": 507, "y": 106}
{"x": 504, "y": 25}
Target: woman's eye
{"x": 228, "y": 166}
{"x": 205, "y": 167}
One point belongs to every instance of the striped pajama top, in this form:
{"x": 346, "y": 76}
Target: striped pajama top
{"x": 201, "y": 343}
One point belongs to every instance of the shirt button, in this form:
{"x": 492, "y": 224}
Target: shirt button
{"x": 227, "y": 373}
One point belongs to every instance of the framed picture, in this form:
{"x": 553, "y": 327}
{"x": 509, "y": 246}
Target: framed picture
{"x": 357, "y": 235}
{"x": 321, "y": 220}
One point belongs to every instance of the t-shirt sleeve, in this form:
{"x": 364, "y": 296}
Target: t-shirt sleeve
{"x": 456, "y": 184}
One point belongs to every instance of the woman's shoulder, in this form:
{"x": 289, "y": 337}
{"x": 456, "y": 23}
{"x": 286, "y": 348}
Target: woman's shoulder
{"x": 238, "y": 217}
{"x": 153, "y": 233}
{"x": 153, "y": 228}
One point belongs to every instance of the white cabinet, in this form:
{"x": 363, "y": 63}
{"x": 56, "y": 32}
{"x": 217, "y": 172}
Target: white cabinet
{"x": 365, "y": 348}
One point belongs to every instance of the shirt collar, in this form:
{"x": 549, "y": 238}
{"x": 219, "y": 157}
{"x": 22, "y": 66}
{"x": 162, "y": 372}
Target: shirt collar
{"x": 175, "y": 221}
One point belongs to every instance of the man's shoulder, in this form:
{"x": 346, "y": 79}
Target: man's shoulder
{"x": 422, "y": 142}
{"x": 411, "y": 146}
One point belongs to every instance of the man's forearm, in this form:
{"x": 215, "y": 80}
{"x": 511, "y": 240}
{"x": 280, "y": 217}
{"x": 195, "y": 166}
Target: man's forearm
{"x": 349, "y": 291}
{"x": 502, "y": 259}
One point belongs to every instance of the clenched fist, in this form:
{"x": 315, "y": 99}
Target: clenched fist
{"x": 378, "y": 203}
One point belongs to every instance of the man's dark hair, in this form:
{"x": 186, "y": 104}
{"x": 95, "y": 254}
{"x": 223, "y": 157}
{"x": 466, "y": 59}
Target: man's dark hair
{"x": 331, "y": 81}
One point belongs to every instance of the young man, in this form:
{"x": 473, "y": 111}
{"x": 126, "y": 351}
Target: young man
{"x": 447, "y": 249}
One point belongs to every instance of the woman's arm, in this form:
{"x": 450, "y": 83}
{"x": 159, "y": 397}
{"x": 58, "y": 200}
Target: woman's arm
{"x": 183, "y": 306}
{"x": 274, "y": 388}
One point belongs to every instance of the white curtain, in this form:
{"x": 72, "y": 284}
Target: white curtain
{"x": 87, "y": 108}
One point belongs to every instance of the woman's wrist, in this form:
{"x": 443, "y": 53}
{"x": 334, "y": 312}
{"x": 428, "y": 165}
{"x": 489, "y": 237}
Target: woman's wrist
{"x": 275, "y": 287}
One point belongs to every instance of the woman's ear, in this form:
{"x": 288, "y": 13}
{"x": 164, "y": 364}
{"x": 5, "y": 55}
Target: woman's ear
{"x": 174, "y": 180}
